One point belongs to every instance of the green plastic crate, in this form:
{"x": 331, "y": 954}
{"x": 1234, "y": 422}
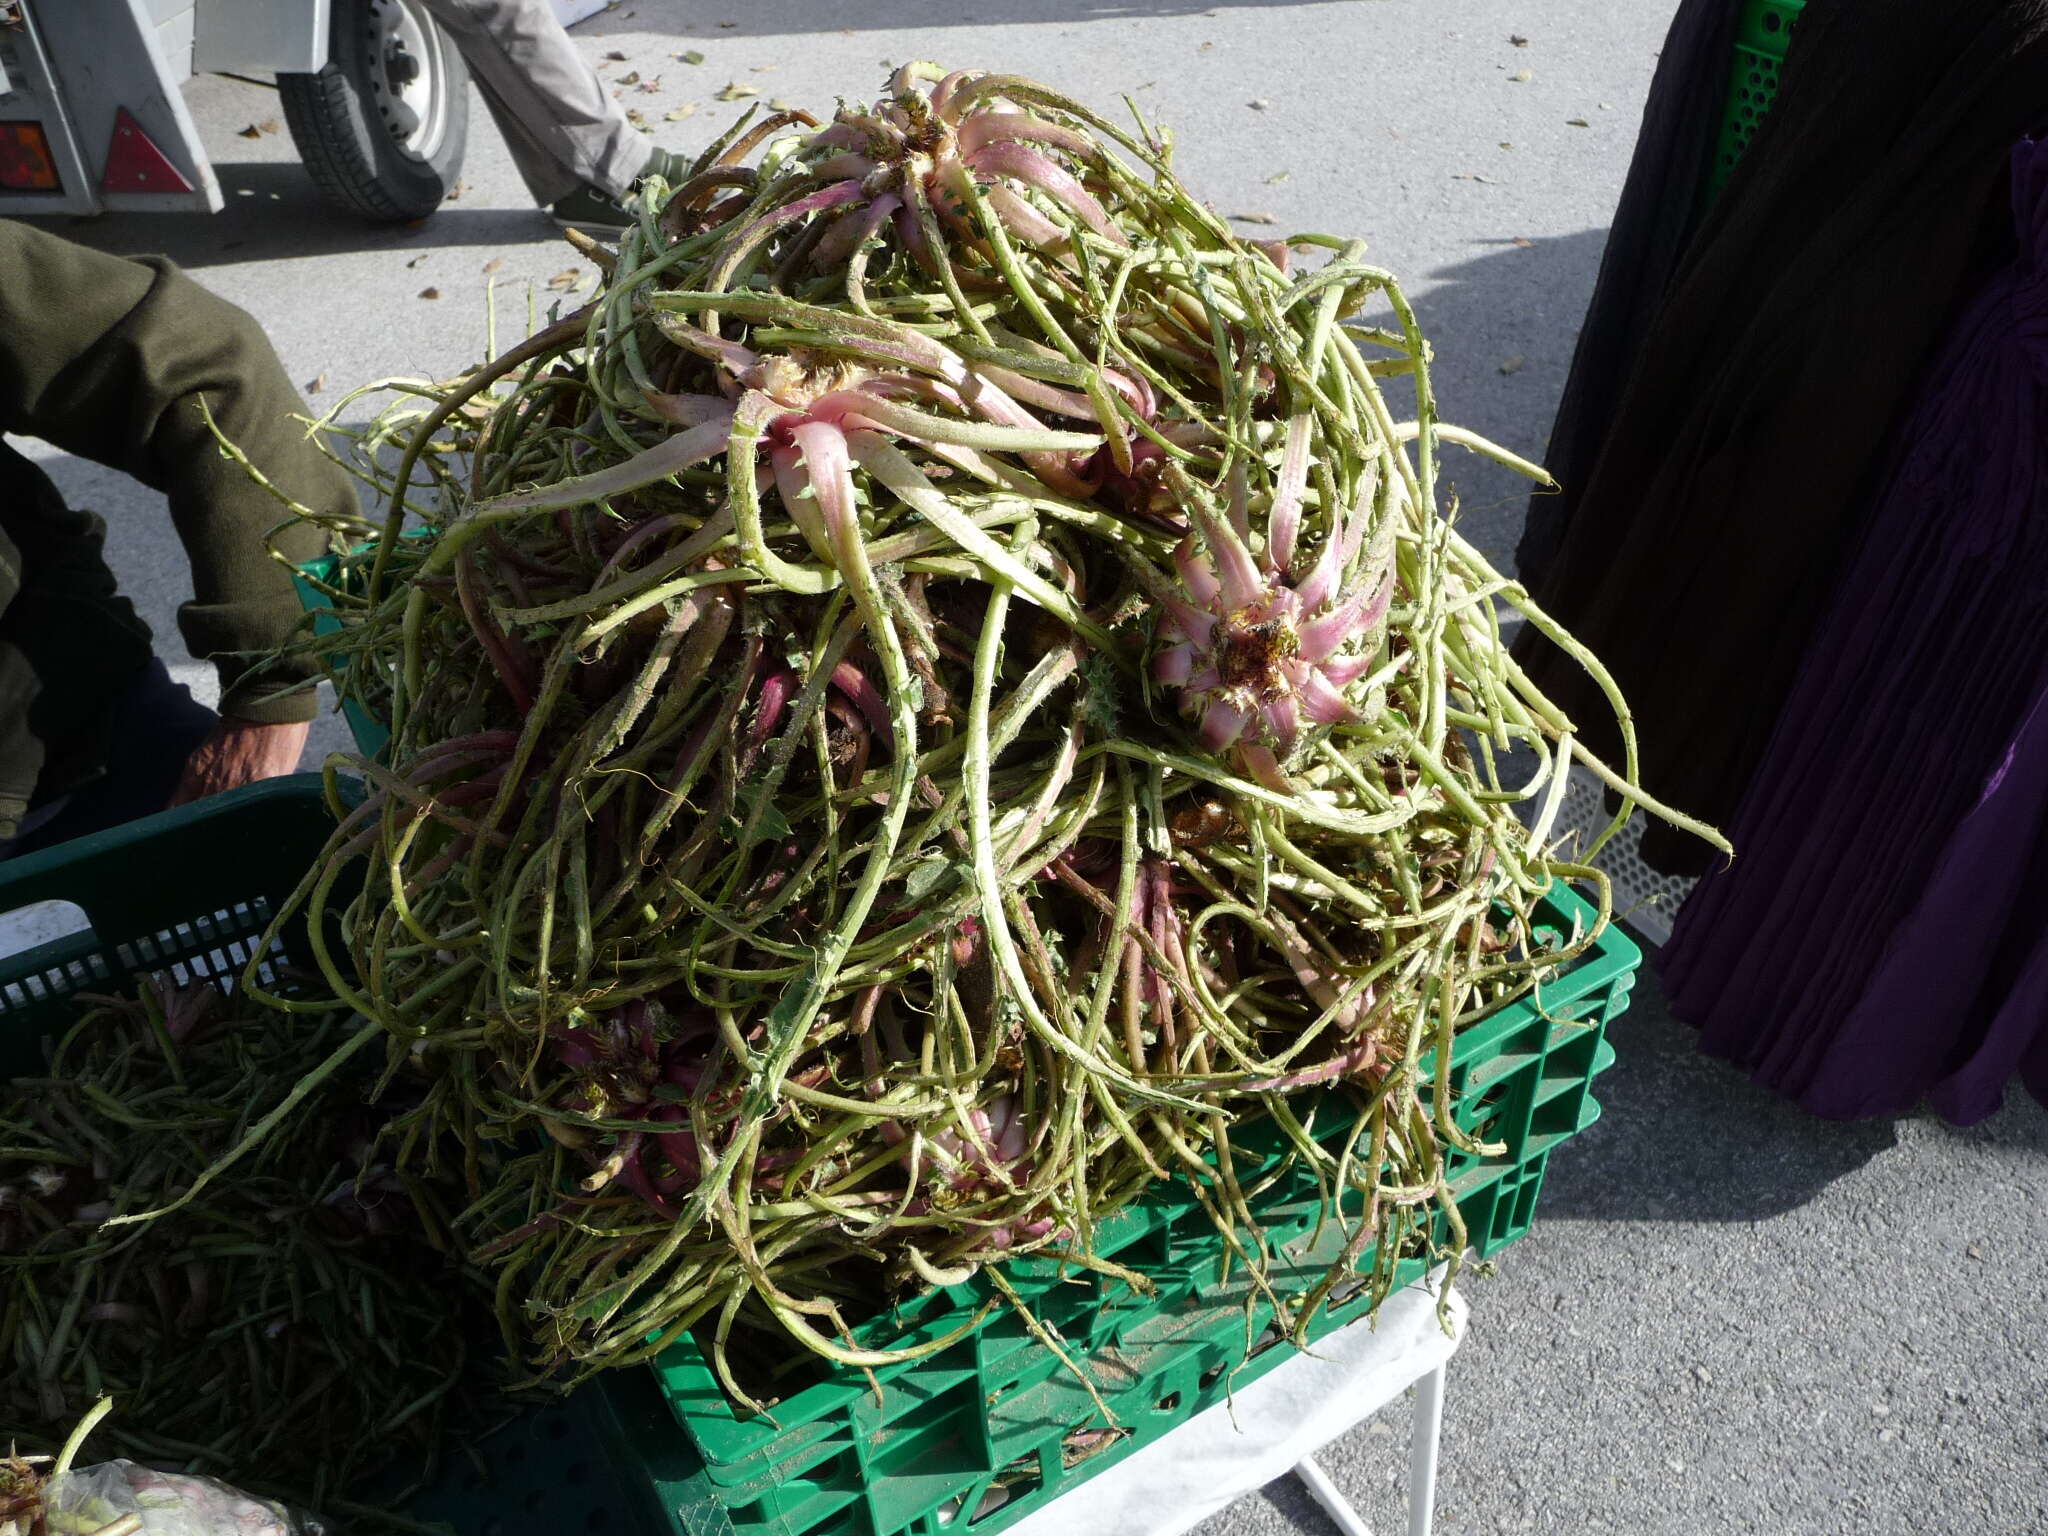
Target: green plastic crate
{"x": 974, "y": 1439}
{"x": 833, "y": 1459}
{"x": 1761, "y": 36}
{"x": 369, "y": 732}
{"x": 192, "y": 892}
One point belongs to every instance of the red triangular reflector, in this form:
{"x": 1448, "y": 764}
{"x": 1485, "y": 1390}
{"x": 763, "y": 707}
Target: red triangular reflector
{"x": 135, "y": 164}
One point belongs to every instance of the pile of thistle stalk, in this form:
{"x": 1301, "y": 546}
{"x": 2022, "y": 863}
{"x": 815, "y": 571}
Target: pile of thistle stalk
{"x": 938, "y": 695}
{"x": 195, "y": 1220}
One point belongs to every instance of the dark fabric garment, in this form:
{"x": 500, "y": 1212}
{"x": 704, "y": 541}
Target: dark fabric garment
{"x": 1646, "y": 240}
{"x": 1882, "y": 936}
{"x": 108, "y": 358}
{"x": 1713, "y": 529}
{"x": 156, "y": 726}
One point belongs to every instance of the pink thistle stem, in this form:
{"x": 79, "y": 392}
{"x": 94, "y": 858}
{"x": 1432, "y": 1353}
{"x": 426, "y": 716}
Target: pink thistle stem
{"x": 1283, "y": 521}
{"x": 1035, "y": 170}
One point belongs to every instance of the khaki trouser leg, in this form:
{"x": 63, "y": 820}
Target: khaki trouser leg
{"x": 563, "y": 128}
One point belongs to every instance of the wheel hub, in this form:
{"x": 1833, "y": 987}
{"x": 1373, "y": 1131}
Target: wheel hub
{"x": 410, "y": 76}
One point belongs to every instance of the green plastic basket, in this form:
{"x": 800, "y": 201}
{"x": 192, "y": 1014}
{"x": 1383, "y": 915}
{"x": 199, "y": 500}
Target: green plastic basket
{"x": 993, "y": 1416}
{"x": 1761, "y": 36}
{"x": 369, "y": 732}
{"x": 970, "y": 1440}
{"x": 192, "y": 892}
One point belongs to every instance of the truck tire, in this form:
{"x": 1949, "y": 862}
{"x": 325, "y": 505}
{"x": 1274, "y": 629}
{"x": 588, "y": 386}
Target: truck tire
{"x": 383, "y": 125}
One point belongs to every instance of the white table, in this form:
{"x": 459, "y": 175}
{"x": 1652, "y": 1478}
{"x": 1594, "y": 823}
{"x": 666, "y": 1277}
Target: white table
{"x": 1276, "y": 1425}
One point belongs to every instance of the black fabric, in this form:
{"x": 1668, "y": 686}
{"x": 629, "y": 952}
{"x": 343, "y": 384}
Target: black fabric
{"x": 1720, "y": 510}
{"x": 156, "y": 725}
{"x": 1652, "y": 224}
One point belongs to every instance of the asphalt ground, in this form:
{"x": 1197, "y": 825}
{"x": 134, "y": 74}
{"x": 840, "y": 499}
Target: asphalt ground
{"x": 1730, "y": 1317}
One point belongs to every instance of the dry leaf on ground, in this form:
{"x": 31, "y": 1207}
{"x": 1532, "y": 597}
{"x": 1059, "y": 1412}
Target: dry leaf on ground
{"x": 1512, "y": 363}
{"x": 1253, "y": 218}
{"x": 734, "y": 91}
{"x": 430, "y": 293}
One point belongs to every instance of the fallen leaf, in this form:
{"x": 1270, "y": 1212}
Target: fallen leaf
{"x": 1576, "y": 122}
{"x": 268, "y": 125}
{"x": 1603, "y": 106}
{"x": 1253, "y": 218}
{"x": 430, "y": 293}
{"x": 1146, "y": 86}
{"x": 1206, "y": 47}
{"x": 1258, "y": 103}
{"x": 762, "y": 69}
{"x": 677, "y": 114}
{"x": 1474, "y": 176}
{"x": 317, "y": 385}
{"x": 455, "y": 192}
{"x": 419, "y": 258}
{"x": 734, "y": 91}
{"x": 1523, "y": 241}
{"x": 651, "y": 86}
{"x": 1518, "y": 41}
{"x": 1521, "y": 77}
{"x": 250, "y": 132}
{"x": 493, "y": 265}
{"x": 1512, "y": 363}
{"x": 691, "y": 57}
{"x": 637, "y": 118}
{"x": 631, "y": 78}
{"x": 782, "y": 106}
{"x": 616, "y": 57}
{"x": 1504, "y": 144}
{"x": 563, "y": 281}
{"x": 1277, "y": 177}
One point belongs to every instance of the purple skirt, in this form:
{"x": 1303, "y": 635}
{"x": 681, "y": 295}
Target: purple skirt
{"x": 1881, "y": 938}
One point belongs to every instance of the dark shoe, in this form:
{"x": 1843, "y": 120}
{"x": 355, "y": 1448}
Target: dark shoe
{"x": 594, "y": 213}
{"x": 590, "y": 211}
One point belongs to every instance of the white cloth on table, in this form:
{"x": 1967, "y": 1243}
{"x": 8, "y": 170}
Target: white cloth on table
{"x": 1237, "y": 1447}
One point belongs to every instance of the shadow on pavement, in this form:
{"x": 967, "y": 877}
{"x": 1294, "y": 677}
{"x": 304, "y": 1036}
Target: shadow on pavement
{"x": 1683, "y": 1137}
{"x": 1514, "y": 307}
{"x": 274, "y": 213}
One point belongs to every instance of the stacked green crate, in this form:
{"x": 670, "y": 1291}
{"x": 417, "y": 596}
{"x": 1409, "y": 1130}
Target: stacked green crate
{"x": 1760, "y": 40}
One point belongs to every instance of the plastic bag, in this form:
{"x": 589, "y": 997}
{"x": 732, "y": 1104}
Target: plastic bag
{"x": 85, "y": 1500}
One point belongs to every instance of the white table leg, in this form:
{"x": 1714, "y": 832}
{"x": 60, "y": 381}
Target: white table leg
{"x": 1325, "y": 1493}
{"x": 1424, "y": 1429}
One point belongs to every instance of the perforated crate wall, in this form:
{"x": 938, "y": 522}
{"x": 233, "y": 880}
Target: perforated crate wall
{"x": 1760, "y": 40}
{"x": 1647, "y": 901}
{"x": 189, "y": 892}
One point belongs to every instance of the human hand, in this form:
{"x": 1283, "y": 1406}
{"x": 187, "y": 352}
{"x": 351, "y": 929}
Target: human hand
{"x": 238, "y": 752}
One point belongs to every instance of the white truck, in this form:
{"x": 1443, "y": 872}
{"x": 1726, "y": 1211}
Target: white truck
{"x": 93, "y": 119}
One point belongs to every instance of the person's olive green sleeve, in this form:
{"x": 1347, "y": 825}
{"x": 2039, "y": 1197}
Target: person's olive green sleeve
{"x": 108, "y": 358}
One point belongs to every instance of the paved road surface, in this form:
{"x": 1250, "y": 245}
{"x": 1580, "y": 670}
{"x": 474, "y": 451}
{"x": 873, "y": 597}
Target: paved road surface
{"x": 1731, "y": 1317}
